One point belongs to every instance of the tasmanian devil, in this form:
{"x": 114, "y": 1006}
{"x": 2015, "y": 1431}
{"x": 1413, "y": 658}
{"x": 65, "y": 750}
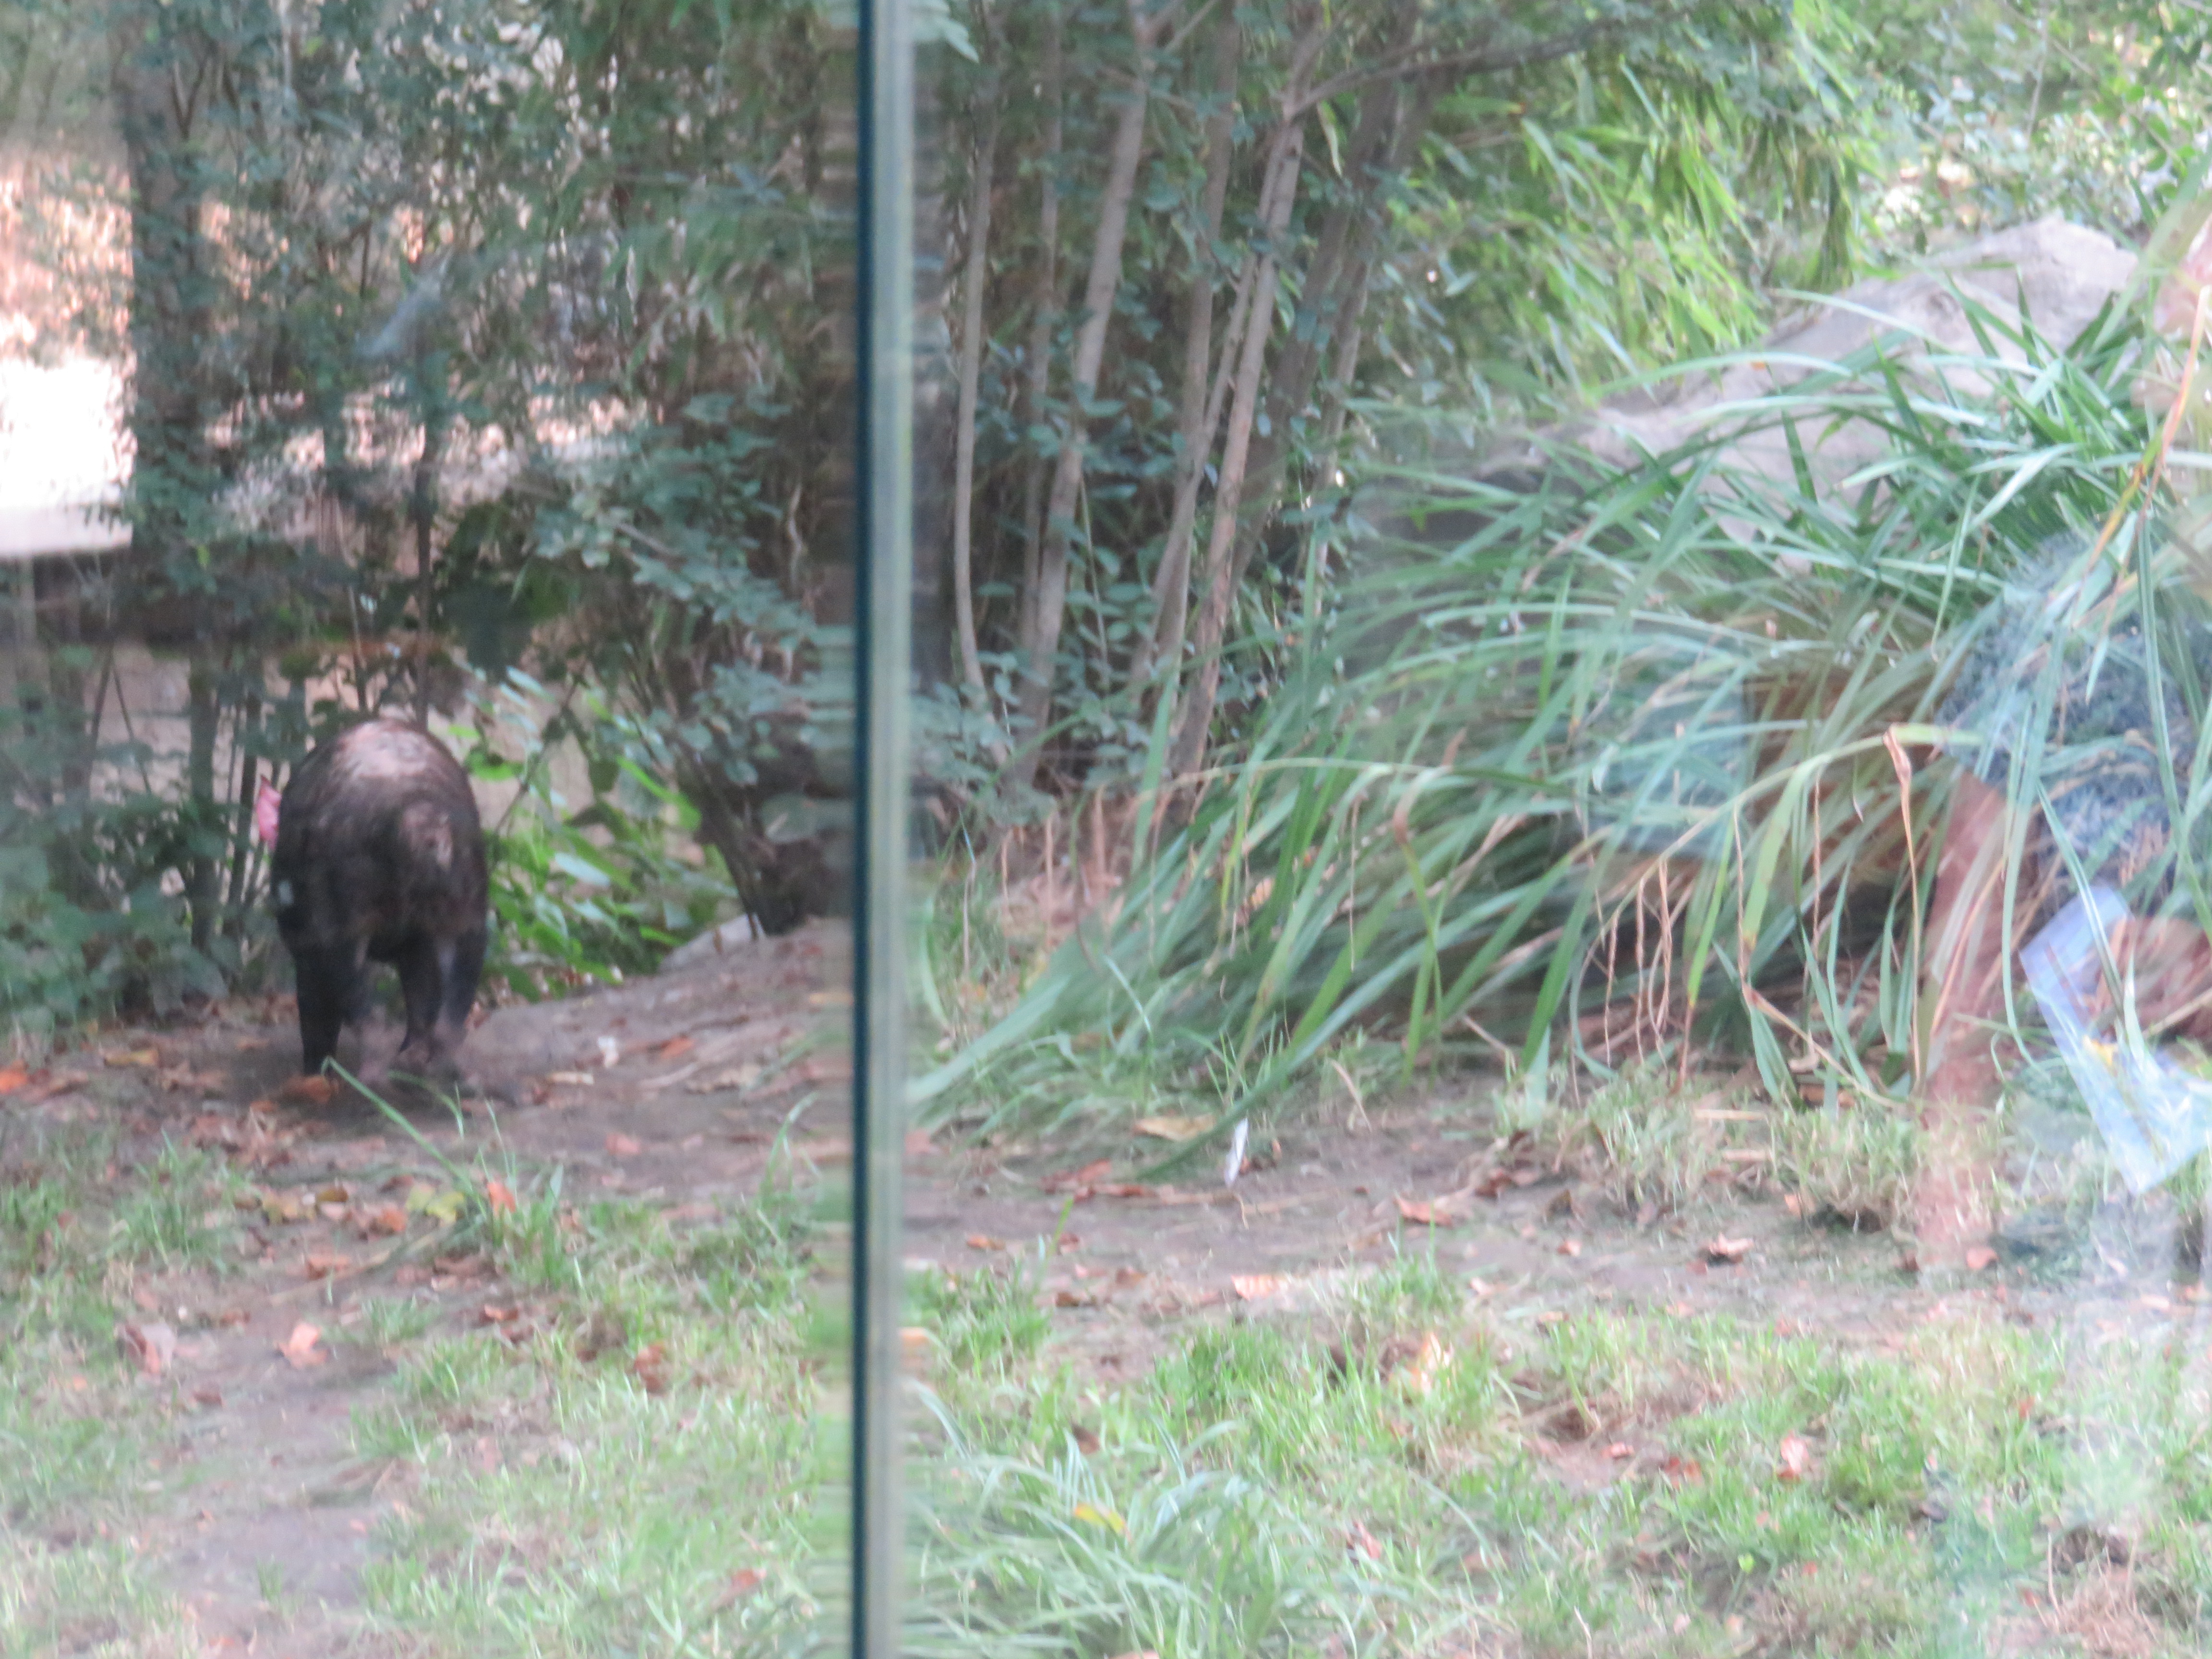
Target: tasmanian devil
{"x": 380, "y": 857}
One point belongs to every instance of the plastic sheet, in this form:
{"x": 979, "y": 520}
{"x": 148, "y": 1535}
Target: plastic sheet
{"x": 2154, "y": 1115}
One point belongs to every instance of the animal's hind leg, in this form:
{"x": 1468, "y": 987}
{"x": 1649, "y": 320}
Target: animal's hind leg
{"x": 420, "y": 985}
{"x": 460, "y": 963}
{"x": 323, "y": 994}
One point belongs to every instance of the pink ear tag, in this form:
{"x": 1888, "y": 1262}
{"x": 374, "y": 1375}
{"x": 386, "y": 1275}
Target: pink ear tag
{"x": 266, "y": 806}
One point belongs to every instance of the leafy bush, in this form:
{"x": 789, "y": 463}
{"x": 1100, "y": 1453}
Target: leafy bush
{"x": 590, "y": 893}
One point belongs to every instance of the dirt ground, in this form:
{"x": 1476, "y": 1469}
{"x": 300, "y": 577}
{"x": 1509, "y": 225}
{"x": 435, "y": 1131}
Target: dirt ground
{"x": 675, "y": 1089}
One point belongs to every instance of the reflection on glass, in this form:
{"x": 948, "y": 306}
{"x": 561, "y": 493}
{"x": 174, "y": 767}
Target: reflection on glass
{"x": 426, "y": 484}
{"x": 1562, "y": 975}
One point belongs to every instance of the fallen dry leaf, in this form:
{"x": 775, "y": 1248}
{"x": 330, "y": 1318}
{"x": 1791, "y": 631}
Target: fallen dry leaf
{"x": 390, "y": 1219}
{"x": 622, "y": 1145}
{"x": 1795, "y": 1203}
{"x": 1255, "y": 1287}
{"x": 1619, "y": 1450}
{"x": 674, "y": 1048}
{"x": 1418, "y": 1375}
{"x": 142, "y": 1057}
{"x": 1727, "y": 1249}
{"x": 298, "y": 1349}
{"x": 650, "y": 1367}
{"x": 569, "y": 1079}
{"x": 743, "y": 1583}
{"x": 500, "y": 1196}
{"x": 1173, "y": 1128}
{"x": 1071, "y": 1298}
{"x": 1571, "y": 1247}
{"x": 207, "y": 1394}
{"x": 1682, "y": 1471}
{"x": 1429, "y": 1211}
{"x": 985, "y": 1241}
{"x": 1979, "y": 1258}
{"x": 1125, "y": 1277}
{"x": 1082, "y": 1177}
{"x": 12, "y": 1077}
{"x": 500, "y": 1315}
{"x": 1364, "y": 1541}
{"x": 321, "y": 1264}
{"x": 917, "y": 1143}
{"x": 152, "y": 1345}
{"x": 1085, "y": 1441}
{"x": 307, "y": 1091}
{"x": 1796, "y": 1459}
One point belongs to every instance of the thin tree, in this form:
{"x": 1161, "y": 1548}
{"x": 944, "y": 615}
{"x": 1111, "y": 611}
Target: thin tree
{"x": 1042, "y": 647}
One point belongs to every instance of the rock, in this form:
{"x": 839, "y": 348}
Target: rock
{"x": 731, "y": 935}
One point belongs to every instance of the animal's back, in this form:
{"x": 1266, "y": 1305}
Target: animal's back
{"x": 377, "y": 836}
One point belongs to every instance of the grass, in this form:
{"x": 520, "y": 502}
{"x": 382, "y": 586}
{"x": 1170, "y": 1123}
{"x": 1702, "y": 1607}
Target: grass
{"x": 1624, "y": 1481}
{"x": 78, "y": 1433}
{"x": 643, "y": 1467}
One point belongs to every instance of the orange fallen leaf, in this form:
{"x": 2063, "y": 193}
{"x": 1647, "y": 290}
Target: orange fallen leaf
{"x": 1255, "y": 1287}
{"x": 1364, "y": 1541}
{"x": 12, "y": 1077}
{"x": 622, "y": 1145}
{"x": 1796, "y": 1459}
{"x": 298, "y": 1349}
{"x": 152, "y": 1344}
{"x": 321, "y": 1264}
{"x": 1429, "y": 1211}
{"x": 674, "y": 1047}
{"x": 144, "y": 1057}
{"x": 1727, "y": 1249}
{"x": 307, "y": 1091}
{"x": 1082, "y": 1177}
{"x": 1571, "y": 1247}
{"x": 389, "y": 1219}
{"x": 650, "y": 1367}
{"x": 500, "y": 1196}
{"x": 1619, "y": 1450}
{"x": 1682, "y": 1471}
{"x": 1980, "y": 1257}
{"x": 207, "y": 1394}
{"x": 985, "y": 1241}
{"x": 500, "y": 1315}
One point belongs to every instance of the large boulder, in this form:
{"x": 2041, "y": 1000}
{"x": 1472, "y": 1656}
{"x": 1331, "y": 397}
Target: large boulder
{"x": 2051, "y": 276}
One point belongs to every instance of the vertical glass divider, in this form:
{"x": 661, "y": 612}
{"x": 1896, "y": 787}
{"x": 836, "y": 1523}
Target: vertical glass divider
{"x": 884, "y": 555}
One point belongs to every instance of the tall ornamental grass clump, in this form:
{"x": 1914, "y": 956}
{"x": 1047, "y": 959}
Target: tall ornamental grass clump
{"x": 1638, "y": 759}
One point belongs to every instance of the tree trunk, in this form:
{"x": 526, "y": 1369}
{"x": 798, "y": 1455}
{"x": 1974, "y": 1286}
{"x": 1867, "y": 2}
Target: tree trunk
{"x": 1044, "y": 313}
{"x": 971, "y": 375}
{"x": 157, "y": 82}
{"x": 1334, "y": 294}
{"x": 1281, "y": 190}
{"x": 1163, "y": 639}
{"x": 1042, "y": 648}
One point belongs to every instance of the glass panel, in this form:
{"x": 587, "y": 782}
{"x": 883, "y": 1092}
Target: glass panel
{"x": 1560, "y": 950}
{"x": 426, "y": 516}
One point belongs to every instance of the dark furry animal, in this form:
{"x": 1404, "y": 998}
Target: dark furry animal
{"x": 380, "y": 857}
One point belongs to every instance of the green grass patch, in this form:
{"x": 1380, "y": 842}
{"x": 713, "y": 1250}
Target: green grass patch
{"x": 650, "y": 1470}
